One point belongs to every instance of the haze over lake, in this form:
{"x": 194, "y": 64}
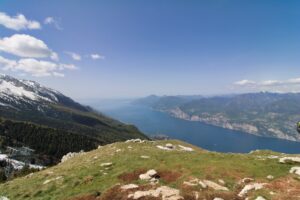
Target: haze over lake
{"x": 205, "y": 136}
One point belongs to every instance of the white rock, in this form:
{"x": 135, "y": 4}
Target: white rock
{"x": 217, "y": 198}
{"x": 144, "y": 177}
{"x": 221, "y": 181}
{"x": 190, "y": 183}
{"x": 148, "y": 175}
{"x": 246, "y": 180}
{"x": 169, "y": 145}
{"x": 270, "y": 177}
{"x": 106, "y": 164}
{"x": 295, "y": 170}
{"x": 289, "y": 159}
{"x": 135, "y": 140}
{"x": 163, "y": 148}
{"x": 70, "y": 155}
{"x": 260, "y": 198}
{"x": 152, "y": 172}
{"x": 214, "y": 185}
{"x": 249, "y": 187}
{"x": 145, "y": 157}
{"x": 166, "y": 193}
{"x": 129, "y": 187}
{"x": 53, "y": 179}
{"x": 185, "y": 148}
{"x": 203, "y": 185}
{"x": 3, "y": 198}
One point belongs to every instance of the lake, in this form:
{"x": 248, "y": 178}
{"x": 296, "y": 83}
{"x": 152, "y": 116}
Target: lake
{"x": 205, "y": 136}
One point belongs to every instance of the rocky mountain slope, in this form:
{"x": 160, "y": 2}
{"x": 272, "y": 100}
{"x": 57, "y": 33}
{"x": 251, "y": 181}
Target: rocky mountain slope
{"x": 167, "y": 170}
{"x": 263, "y": 114}
{"x": 45, "y": 119}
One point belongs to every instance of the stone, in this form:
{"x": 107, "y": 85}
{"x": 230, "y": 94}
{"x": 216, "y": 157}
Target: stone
{"x": 270, "y": 177}
{"x": 145, "y": 157}
{"x": 249, "y": 187}
{"x": 165, "y": 192}
{"x": 129, "y": 187}
{"x": 289, "y": 159}
{"x": 183, "y": 148}
{"x": 246, "y": 180}
{"x": 163, "y": 148}
{"x": 260, "y": 198}
{"x": 70, "y": 155}
{"x": 148, "y": 175}
{"x": 169, "y": 145}
{"x": 221, "y": 181}
{"x": 203, "y": 185}
{"x": 215, "y": 186}
{"x": 295, "y": 170}
{"x": 109, "y": 164}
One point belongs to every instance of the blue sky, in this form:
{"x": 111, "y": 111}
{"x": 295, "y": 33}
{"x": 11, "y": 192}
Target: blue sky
{"x": 153, "y": 47}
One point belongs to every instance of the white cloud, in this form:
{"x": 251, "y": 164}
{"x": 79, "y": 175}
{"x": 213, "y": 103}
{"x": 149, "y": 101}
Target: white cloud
{"x": 18, "y": 22}
{"x": 26, "y": 46}
{"x": 35, "y": 67}
{"x": 73, "y": 55}
{"x": 49, "y": 20}
{"x": 53, "y": 21}
{"x": 97, "y": 56}
{"x": 57, "y": 74}
{"x": 244, "y": 82}
{"x": 289, "y": 85}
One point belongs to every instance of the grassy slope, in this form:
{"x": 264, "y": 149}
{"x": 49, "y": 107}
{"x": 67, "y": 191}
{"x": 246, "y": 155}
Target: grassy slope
{"x": 83, "y": 174}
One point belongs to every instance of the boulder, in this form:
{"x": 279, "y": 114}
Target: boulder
{"x": 169, "y": 145}
{"x": 289, "y": 159}
{"x": 295, "y": 170}
{"x": 165, "y": 192}
{"x": 149, "y": 175}
{"x": 215, "y": 186}
{"x": 183, "y": 148}
{"x": 249, "y": 187}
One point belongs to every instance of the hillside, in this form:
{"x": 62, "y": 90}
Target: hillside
{"x": 263, "y": 114}
{"x": 177, "y": 171}
{"x": 45, "y": 119}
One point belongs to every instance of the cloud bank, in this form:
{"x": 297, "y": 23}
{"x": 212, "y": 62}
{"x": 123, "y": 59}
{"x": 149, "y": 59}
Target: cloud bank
{"x": 26, "y": 46}
{"x": 35, "y": 67}
{"x": 289, "y": 85}
{"x": 18, "y": 22}
{"x": 73, "y": 55}
{"x": 97, "y": 56}
{"x": 53, "y": 21}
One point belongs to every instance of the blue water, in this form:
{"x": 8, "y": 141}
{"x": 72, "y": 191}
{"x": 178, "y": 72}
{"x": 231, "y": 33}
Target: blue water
{"x": 197, "y": 133}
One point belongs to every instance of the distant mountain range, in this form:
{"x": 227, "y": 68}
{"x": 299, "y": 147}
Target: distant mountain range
{"x": 52, "y": 123}
{"x": 262, "y": 114}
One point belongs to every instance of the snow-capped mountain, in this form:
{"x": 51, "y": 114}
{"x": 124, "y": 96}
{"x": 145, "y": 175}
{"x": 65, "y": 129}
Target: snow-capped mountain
{"x": 22, "y": 94}
{"x": 28, "y": 101}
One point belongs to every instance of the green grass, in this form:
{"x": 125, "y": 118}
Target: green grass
{"x": 78, "y": 172}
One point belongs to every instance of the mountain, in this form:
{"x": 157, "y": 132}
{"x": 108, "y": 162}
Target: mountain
{"x": 166, "y": 102}
{"x": 161, "y": 170}
{"x": 51, "y": 119}
{"x": 263, "y": 114}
